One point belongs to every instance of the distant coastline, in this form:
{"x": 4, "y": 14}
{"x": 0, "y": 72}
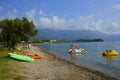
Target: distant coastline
{"x": 79, "y": 40}
{"x": 89, "y": 40}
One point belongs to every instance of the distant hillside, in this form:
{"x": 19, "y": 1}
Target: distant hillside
{"x": 74, "y": 35}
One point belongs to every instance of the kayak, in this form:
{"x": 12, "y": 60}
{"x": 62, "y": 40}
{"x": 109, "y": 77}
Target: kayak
{"x": 35, "y": 56}
{"x": 110, "y": 53}
{"x": 32, "y": 56}
{"x": 20, "y": 57}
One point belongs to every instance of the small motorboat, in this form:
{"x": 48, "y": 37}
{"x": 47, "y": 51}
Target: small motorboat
{"x": 110, "y": 53}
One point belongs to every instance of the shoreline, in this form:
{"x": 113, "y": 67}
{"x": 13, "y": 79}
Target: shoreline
{"x": 51, "y": 67}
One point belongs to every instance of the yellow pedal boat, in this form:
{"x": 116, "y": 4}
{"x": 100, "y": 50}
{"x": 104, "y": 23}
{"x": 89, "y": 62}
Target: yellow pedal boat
{"x": 110, "y": 53}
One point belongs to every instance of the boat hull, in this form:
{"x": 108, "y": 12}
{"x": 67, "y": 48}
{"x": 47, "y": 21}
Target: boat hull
{"x": 20, "y": 57}
{"x": 33, "y": 56}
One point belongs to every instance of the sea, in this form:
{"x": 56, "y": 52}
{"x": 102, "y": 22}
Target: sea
{"x": 93, "y": 59}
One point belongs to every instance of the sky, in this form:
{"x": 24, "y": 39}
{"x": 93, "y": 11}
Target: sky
{"x": 95, "y": 15}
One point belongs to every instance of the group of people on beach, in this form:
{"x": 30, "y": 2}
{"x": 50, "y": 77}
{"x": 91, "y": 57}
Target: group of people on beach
{"x": 26, "y": 45}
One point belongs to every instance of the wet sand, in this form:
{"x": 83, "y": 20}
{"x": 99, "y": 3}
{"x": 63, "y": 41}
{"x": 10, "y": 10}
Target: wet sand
{"x": 51, "y": 67}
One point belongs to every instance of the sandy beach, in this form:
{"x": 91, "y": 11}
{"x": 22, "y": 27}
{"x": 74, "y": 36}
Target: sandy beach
{"x": 51, "y": 67}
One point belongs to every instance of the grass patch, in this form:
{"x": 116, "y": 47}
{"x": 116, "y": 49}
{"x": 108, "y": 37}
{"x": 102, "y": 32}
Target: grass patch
{"x": 9, "y": 68}
{"x": 19, "y": 78}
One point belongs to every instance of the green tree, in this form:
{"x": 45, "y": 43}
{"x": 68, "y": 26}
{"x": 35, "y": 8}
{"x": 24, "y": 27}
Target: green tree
{"x": 17, "y": 30}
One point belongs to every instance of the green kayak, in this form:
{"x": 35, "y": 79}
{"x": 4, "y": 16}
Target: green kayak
{"x": 20, "y": 57}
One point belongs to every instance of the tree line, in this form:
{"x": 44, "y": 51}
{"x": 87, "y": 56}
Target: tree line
{"x": 89, "y": 40}
{"x": 14, "y": 31}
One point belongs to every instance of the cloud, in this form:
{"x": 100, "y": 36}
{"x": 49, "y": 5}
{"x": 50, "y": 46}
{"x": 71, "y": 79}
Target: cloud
{"x": 53, "y": 22}
{"x": 30, "y": 14}
{"x": 57, "y": 22}
{"x": 80, "y": 23}
{"x": 42, "y": 13}
{"x": 12, "y": 14}
{"x": 115, "y": 29}
{"x": 45, "y": 22}
{"x": 98, "y": 24}
{"x": 116, "y": 6}
{"x": 85, "y": 23}
{"x": 115, "y": 24}
{"x": 110, "y": 27}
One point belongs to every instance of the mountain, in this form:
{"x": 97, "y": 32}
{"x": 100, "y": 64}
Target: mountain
{"x": 49, "y": 34}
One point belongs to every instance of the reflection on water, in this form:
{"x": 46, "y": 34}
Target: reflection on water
{"x": 110, "y": 59}
{"x": 73, "y": 57}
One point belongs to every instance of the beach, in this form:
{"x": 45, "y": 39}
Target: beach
{"x": 51, "y": 67}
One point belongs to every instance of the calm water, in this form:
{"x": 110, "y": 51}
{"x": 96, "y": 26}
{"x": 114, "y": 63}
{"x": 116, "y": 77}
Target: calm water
{"x": 93, "y": 59}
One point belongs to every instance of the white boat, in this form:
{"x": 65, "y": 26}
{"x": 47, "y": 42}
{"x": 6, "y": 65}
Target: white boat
{"x": 74, "y": 50}
{"x": 80, "y": 50}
